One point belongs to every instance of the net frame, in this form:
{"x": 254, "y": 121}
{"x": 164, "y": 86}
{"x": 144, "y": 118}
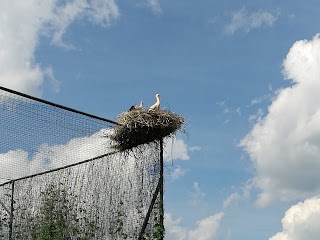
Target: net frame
{"x": 145, "y": 168}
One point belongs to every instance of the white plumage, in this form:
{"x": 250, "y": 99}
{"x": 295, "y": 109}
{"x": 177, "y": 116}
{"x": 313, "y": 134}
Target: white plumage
{"x": 156, "y": 106}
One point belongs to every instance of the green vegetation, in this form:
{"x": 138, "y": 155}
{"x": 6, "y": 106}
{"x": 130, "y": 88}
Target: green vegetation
{"x": 58, "y": 218}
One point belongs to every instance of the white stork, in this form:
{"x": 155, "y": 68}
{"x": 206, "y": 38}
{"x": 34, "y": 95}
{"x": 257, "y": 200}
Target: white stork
{"x": 135, "y": 107}
{"x": 156, "y": 106}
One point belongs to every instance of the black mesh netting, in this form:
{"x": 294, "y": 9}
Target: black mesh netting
{"x": 47, "y": 193}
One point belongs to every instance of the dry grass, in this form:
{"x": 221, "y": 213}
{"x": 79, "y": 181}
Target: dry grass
{"x": 143, "y": 126}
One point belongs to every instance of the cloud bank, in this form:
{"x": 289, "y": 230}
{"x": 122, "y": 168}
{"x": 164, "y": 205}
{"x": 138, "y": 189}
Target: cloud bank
{"x": 301, "y": 221}
{"x": 285, "y": 145}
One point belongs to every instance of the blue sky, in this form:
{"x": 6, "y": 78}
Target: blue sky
{"x": 244, "y": 74}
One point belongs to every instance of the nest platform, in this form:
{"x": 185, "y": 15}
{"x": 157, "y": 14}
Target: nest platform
{"x": 144, "y": 126}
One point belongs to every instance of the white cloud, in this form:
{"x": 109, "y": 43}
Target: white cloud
{"x": 175, "y": 148}
{"x": 19, "y": 28}
{"x": 236, "y": 197}
{"x": 80, "y": 149}
{"x": 194, "y": 148}
{"x": 206, "y": 229}
{"x": 227, "y": 113}
{"x": 174, "y": 230}
{"x": 266, "y": 98}
{"x": 14, "y": 164}
{"x": 242, "y": 20}
{"x": 177, "y": 173}
{"x": 17, "y": 163}
{"x": 238, "y": 110}
{"x": 21, "y": 25}
{"x": 257, "y": 116}
{"x": 196, "y": 195}
{"x": 100, "y": 12}
{"x": 233, "y": 197}
{"x": 301, "y": 221}
{"x": 155, "y": 6}
{"x": 48, "y": 73}
{"x": 285, "y": 145}
{"x": 224, "y": 107}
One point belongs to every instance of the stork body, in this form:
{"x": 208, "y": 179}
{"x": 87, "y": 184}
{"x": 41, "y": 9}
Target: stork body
{"x": 156, "y": 106}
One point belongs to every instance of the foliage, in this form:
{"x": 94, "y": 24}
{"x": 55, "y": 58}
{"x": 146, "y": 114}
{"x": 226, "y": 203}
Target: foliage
{"x": 58, "y": 218}
{"x": 116, "y": 225}
{"x": 4, "y": 220}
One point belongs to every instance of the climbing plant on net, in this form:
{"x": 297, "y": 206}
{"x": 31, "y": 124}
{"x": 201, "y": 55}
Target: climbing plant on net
{"x": 103, "y": 199}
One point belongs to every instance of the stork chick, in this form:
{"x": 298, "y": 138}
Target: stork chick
{"x": 135, "y": 107}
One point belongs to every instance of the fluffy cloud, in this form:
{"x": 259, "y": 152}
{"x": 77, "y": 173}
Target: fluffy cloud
{"x": 241, "y": 20}
{"x": 175, "y": 148}
{"x": 21, "y": 25}
{"x": 285, "y": 145}
{"x": 301, "y": 221}
{"x": 14, "y": 164}
{"x": 100, "y": 12}
{"x": 19, "y": 29}
{"x": 206, "y": 229}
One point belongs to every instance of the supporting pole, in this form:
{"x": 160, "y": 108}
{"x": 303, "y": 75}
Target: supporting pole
{"x": 161, "y": 207}
{"x": 11, "y": 211}
{"x": 159, "y": 190}
{"x": 146, "y": 219}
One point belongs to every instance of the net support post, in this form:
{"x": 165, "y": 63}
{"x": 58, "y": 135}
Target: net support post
{"x": 158, "y": 191}
{"x": 161, "y": 191}
{"x": 11, "y": 211}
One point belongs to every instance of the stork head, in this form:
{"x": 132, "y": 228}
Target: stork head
{"x": 157, "y": 95}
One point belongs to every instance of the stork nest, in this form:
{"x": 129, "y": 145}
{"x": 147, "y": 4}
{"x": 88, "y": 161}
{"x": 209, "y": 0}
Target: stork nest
{"x": 144, "y": 126}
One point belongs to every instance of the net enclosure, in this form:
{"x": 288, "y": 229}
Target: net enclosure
{"x": 61, "y": 176}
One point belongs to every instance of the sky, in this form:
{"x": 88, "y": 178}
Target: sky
{"x": 244, "y": 74}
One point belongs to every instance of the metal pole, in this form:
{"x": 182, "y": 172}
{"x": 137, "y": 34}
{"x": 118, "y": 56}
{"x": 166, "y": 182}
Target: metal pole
{"x": 161, "y": 205}
{"x": 11, "y": 212}
{"x": 159, "y": 190}
{"x": 146, "y": 219}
